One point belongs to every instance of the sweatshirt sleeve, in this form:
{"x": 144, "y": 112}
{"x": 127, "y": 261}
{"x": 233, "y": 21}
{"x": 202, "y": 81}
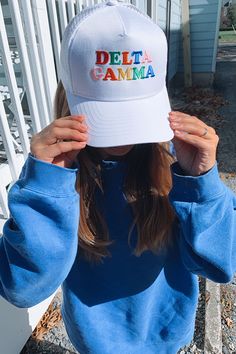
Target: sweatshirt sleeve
{"x": 39, "y": 242}
{"x": 206, "y": 212}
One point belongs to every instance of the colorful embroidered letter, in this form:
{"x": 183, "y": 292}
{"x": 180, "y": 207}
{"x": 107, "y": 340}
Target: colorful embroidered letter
{"x": 102, "y": 57}
{"x": 136, "y": 56}
{"x": 124, "y": 75}
{"x": 97, "y": 73}
{"x": 150, "y": 72}
{"x": 110, "y": 75}
{"x": 126, "y": 59}
{"x": 138, "y": 74}
{"x": 115, "y": 56}
{"x": 146, "y": 58}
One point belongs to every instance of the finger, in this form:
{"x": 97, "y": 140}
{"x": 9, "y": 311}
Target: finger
{"x": 179, "y": 114}
{"x": 60, "y": 148}
{"x": 194, "y": 129}
{"x": 52, "y": 135}
{"x": 63, "y": 147}
{"x": 80, "y": 118}
{"x": 197, "y": 141}
{"x": 72, "y": 124}
{"x": 182, "y": 117}
{"x": 185, "y": 118}
{"x": 179, "y": 117}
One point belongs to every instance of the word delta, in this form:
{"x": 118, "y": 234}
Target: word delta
{"x": 125, "y": 59}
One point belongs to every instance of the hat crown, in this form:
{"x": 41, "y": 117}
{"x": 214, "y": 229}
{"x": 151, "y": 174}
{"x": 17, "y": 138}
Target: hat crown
{"x": 113, "y": 53}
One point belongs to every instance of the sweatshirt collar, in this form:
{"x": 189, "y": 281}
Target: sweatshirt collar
{"x": 112, "y": 164}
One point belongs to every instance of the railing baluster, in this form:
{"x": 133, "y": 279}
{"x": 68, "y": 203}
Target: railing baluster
{"x": 35, "y": 63}
{"x": 12, "y": 85}
{"x": 54, "y": 30}
{"x": 46, "y": 52}
{"x": 7, "y": 142}
{"x": 79, "y": 5}
{"x": 154, "y": 10}
{"x": 71, "y": 9}
{"x": 85, "y": 3}
{"x": 63, "y": 15}
{"x": 25, "y": 64}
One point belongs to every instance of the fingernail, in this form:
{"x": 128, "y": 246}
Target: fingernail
{"x": 178, "y": 132}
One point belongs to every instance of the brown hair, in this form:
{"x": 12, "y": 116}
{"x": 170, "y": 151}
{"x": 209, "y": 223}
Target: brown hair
{"x": 146, "y": 187}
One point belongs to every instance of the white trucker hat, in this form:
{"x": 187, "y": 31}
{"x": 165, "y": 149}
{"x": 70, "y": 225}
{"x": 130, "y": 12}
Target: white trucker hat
{"x": 113, "y": 67}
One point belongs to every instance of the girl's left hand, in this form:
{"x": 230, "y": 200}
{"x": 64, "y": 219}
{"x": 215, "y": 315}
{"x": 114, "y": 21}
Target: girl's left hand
{"x": 195, "y": 143}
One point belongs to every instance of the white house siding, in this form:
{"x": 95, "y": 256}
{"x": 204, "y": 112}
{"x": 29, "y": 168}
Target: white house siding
{"x": 204, "y": 29}
{"x": 162, "y": 14}
{"x": 175, "y": 35}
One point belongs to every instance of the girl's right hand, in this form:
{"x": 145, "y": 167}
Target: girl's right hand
{"x": 60, "y": 142}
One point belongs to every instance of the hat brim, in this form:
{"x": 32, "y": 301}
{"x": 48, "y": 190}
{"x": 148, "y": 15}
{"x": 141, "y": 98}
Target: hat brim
{"x": 124, "y": 123}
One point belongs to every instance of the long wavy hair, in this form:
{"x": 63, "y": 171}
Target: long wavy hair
{"x": 146, "y": 187}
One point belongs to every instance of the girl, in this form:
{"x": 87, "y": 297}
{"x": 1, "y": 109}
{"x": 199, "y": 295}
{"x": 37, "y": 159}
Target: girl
{"x": 124, "y": 229}
{"x": 129, "y": 256}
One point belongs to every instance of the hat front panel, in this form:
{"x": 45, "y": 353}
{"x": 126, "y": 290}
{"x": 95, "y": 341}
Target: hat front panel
{"x": 117, "y": 61}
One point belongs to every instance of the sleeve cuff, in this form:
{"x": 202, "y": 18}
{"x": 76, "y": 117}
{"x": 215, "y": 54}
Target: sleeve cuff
{"x": 195, "y": 188}
{"x": 44, "y": 177}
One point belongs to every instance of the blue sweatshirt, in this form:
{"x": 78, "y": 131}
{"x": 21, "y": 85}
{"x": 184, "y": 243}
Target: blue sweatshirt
{"x": 128, "y": 304}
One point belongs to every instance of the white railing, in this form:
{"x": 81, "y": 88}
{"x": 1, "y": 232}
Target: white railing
{"x": 33, "y": 43}
{"x": 30, "y": 22}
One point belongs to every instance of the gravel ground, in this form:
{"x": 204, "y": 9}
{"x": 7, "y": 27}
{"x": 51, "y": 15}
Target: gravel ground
{"x": 228, "y": 304}
{"x": 197, "y": 344}
{"x": 228, "y": 310}
{"x": 226, "y": 84}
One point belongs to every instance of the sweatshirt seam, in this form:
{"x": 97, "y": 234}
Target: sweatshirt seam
{"x": 49, "y": 195}
{"x": 210, "y": 199}
{"x": 58, "y": 168}
{"x": 200, "y": 200}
